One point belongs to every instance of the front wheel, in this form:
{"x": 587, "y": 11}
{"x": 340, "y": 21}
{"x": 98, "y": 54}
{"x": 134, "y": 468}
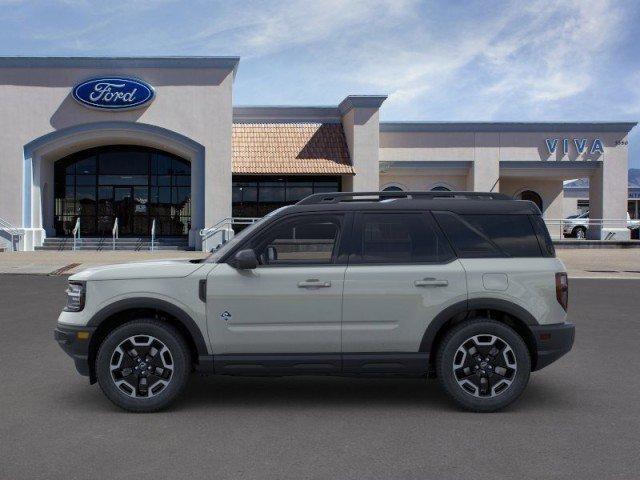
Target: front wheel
{"x": 483, "y": 365}
{"x": 143, "y": 365}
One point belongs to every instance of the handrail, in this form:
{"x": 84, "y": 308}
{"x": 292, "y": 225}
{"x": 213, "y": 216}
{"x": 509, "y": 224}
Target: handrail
{"x": 153, "y": 235}
{"x": 223, "y": 226}
{"x": 207, "y": 232}
{"x": 571, "y": 224}
{"x": 114, "y": 233}
{"x": 12, "y": 230}
{"x": 76, "y": 234}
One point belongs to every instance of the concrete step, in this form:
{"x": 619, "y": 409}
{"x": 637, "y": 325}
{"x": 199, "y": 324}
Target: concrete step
{"x": 125, "y": 243}
{"x": 105, "y": 248}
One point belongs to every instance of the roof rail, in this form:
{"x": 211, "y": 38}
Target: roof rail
{"x": 337, "y": 197}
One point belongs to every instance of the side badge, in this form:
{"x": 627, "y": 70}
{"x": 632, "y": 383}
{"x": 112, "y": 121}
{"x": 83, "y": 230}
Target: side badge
{"x": 226, "y": 316}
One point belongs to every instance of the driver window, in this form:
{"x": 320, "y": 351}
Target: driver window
{"x": 304, "y": 240}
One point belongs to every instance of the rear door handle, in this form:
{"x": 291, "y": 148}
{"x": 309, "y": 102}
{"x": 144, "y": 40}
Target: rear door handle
{"x": 313, "y": 283}
{"x": 431, "y": 282}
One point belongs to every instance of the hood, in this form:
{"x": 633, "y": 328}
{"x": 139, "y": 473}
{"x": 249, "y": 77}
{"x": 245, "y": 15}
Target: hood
{"x": 139, "y": 270}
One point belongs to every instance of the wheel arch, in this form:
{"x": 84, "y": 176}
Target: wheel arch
{"x": 501, "y": 310}
{"x": 122, "y": 311}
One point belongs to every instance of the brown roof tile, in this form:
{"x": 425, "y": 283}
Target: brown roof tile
{"x": 290, "y": 148}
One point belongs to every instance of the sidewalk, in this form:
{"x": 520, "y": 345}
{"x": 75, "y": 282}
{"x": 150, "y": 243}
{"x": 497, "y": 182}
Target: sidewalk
{"x": 581, "y": 263}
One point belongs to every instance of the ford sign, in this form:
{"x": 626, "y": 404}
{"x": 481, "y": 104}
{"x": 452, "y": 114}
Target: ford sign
{"x": 113, "y": 93}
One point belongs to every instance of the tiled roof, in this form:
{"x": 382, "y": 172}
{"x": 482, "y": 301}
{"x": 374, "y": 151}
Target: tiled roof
{"x": 290, "y": 148}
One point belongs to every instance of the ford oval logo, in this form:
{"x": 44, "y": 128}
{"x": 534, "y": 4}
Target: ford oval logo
{"x": 113, "y": 93}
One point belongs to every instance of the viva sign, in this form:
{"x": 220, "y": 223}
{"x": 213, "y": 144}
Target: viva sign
{"x": 113, "y": 93}
{"x": 580, "y": 144}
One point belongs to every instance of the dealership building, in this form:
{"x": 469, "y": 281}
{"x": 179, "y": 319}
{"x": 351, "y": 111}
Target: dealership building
{"x": 158, "y": 141}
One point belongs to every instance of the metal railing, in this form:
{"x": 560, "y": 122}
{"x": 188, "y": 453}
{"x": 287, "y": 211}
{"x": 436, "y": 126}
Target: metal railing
{"x": 578, "y": 227}
{"x": 12, "y": 231}
{"x": 152, "y": 247}
{"x": 114, "y": 233}
{"x": 223, "y": 229}
{"x": 76, "y": 234}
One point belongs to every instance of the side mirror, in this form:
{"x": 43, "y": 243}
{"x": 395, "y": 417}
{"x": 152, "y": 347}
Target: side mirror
{"x": 245, "y": 260}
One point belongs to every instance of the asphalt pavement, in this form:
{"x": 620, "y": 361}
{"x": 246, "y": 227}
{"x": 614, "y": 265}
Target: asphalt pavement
{"x": 579, "y": 418}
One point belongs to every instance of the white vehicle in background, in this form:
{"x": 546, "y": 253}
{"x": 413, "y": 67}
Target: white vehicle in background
{"x": 576, "y": 225}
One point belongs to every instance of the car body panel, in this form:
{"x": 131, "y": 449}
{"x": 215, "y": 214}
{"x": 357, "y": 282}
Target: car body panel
{"x": 385, "y": 311}
{"x": 265, "y": 311}
{"x": 530, "y": 284}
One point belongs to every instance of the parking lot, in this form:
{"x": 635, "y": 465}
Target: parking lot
{"x": 579, "y": 418}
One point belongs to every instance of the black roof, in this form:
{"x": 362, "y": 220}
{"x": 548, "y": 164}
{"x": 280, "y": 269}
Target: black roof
{"x": 457, "y": 202}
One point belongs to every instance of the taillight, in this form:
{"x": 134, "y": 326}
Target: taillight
{"x": 562, "y": 289}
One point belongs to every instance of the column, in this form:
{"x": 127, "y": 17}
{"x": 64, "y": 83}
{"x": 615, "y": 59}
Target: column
{"x": 361, "y": 125}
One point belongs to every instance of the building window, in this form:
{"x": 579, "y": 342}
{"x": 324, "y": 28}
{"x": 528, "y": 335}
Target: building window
{"x": 583, "y": 206}
{"x": 133, "y": 184}
{"x": 392, "y": 188}
{"x": 255, "y": 196}
{"x": 440, "y": 188}
{"x": 531, "y": 196}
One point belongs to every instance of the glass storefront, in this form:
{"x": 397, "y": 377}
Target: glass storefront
{"x": 255, "y": 196}
{"x": 133, "y": 184}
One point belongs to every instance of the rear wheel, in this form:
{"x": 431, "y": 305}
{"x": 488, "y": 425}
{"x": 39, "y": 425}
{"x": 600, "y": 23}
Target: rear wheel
{"x": 483, "y": 365}
{"x": 143, "y": 365}
{"x": 580, "y": 233}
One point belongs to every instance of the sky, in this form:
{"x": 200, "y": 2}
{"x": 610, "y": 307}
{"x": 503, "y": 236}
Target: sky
{"x": 436, "y": 60}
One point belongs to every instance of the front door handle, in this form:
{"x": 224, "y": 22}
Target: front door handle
{"x": 431, "y": 282}
{"x": 313, "y": 283}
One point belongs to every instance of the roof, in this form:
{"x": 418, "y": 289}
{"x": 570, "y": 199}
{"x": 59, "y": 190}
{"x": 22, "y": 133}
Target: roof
{"x": 580, "y": 183}
{"x": 224, "y": 63}
{"x": 290, "y": 148}
{"x": 550, "y": 127}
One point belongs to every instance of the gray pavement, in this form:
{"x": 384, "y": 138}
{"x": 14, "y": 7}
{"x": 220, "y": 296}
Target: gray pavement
{"x": 579, "y": 418}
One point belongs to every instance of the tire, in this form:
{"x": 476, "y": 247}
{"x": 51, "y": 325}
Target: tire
{"x": 143, "y": 349}
{"x": 580, "y": 233}
{"x": 460, "y": 373}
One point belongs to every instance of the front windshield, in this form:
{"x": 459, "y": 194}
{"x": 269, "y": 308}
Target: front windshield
{"x": 223, "y": 249}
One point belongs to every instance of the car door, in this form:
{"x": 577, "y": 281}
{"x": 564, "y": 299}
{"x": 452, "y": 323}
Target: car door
{"x": 290, "y": 303}
{"x": 401, "y": 274}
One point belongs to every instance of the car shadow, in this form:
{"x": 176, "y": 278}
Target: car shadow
{"x": 305, "y": 392}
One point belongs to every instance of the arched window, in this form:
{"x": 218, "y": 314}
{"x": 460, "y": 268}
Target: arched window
{"x": 133, "y": 184}
{"x": 392, "y": 188}
{"x": 531, "y": 196}
{"x": 440, "y": 188}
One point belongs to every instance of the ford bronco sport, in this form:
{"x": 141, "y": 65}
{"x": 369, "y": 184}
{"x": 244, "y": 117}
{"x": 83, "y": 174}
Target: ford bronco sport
{"x": 459, "y": 285}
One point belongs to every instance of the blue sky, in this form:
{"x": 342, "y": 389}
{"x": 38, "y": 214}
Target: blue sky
{"x": 437, "y": 60}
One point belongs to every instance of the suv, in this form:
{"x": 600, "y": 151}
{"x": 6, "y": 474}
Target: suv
{"x": 458, "y": 285}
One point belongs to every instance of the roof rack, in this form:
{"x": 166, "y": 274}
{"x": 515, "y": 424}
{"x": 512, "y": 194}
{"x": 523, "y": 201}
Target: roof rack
{"x": 337, "y": 197}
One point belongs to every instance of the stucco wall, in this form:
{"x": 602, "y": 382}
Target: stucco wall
{"x": 193, "y": 102}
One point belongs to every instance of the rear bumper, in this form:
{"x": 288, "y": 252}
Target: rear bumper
{"x": 77, "y": 347}
{"x": 552, "y": 341}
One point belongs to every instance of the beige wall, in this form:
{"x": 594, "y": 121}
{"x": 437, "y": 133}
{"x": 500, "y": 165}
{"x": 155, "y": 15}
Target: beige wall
{"x": 194, "y": 103}
{"x": 423, "y": 182}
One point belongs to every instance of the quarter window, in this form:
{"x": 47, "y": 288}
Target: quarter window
{"x": 400, "y": 238}
{"x": 301, "y": 241}
{"x": 514, "y": 234}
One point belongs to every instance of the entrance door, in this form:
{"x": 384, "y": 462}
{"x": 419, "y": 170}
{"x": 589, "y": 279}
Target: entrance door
{"x": 130, "y": 206}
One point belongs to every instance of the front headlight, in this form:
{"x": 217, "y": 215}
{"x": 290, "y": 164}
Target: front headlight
{"x": 75, "y": 297}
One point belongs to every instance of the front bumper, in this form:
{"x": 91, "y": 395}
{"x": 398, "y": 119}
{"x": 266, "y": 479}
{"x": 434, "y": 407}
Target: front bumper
{"x": 75, "y": 340}
{"x": 552, "y": 342}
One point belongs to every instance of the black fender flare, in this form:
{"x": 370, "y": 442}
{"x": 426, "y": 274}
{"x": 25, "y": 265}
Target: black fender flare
{"x": 155, "y": 304}
{"x": 464, "y": 307}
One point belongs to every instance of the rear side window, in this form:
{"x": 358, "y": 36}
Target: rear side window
{"x": 399, "y": 238}
{"x": 544, "y": 239}
{"x": 490, "y": 235}
{"x": 514, "y": 234}
{"x": 466, "y": 239}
